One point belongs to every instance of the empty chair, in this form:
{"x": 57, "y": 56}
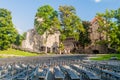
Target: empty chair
{"x": 72, "y": 75}
{"x": 90, "y": 76}
{"x": 109, "y": 75}
{"x": 86, "y": 75}
{"x": 44, "y": 74}
{"x": 58, "y": 74}
{"x": 33, "y": 73}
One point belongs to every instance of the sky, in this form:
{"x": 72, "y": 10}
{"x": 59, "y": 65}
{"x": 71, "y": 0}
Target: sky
{"x": 23, "y": 11}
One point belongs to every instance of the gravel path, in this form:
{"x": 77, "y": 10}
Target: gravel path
{"x": 38, "y": 59}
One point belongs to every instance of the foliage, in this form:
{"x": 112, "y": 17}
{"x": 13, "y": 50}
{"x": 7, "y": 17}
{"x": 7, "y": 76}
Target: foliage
{"x": 110, "y": 25}
{"x": 61, "y": 46}
{"x": 7, "y": 31}
{"x": 46, "y": 21}
{"x": 84, "y": 36}
{"x": 24, "y": 35}
{"x": 70, "y": 22}
{"x": 19, "y": 39}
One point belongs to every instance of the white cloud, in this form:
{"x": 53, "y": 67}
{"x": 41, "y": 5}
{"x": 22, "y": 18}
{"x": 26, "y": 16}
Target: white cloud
{"x": 97, "y": 1}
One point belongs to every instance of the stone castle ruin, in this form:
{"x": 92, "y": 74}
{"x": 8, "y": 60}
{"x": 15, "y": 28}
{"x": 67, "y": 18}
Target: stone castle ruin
{"x": 36, "y": 43}
{"x": 95, "y": 37}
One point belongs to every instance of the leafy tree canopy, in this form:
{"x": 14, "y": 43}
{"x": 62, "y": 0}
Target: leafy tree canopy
{"x": 70, "y": 22}
{"x": 84, "y": 36}
{"x": 46, "y": 19}
{"x": 7, "y": 31}
{"x": 110, "y": 24}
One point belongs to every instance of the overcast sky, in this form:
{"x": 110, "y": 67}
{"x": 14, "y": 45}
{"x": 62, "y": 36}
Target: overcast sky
{"x": 23, "y": 11}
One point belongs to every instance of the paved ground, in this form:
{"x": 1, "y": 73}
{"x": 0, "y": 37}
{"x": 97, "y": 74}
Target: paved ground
{"x": 38, "y": 59}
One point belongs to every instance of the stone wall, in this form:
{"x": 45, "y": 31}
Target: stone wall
{"x": 96, "y": 36}
{"x": 36, "y": 43}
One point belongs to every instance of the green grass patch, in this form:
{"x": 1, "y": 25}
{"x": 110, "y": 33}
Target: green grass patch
{"x": 15, "y": 53}
{"x": 105, "y": 57}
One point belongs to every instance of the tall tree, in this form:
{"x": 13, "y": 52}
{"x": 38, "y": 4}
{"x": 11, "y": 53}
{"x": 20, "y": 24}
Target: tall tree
{"x": 110, "y": 25}
{"x": 70, "y": 22}
{"x": 84, "y": 36}
{"x": 7, "y": 30}
{"x": 46, "y": 22}
{"x": 115, "y": 33}
{"x": 19, "y": 39}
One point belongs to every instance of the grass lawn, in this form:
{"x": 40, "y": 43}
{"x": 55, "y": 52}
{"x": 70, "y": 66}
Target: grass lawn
{"x": 15, "y": 53}
{"x": 105, "y": 57}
